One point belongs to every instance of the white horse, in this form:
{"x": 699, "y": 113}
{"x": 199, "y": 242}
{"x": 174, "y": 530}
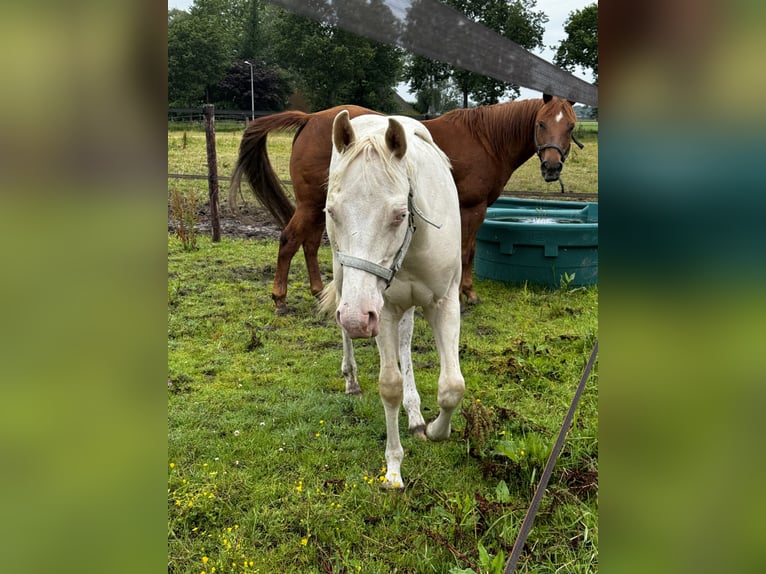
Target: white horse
{"x": 387, "y": 178}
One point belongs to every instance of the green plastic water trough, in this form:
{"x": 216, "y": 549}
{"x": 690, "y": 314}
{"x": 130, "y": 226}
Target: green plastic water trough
{"x": 542, "y": 242}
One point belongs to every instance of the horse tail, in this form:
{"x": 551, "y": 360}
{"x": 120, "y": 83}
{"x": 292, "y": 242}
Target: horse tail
{"x": 328, "y": 300}
{"x": 253, "y": 162}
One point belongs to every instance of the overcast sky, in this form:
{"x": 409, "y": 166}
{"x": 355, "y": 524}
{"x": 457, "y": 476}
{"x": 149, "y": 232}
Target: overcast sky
{"x": 557, "y": 10}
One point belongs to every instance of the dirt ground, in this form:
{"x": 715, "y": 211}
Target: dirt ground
{"x": 251, "y": 221}
{"x": 254, "y": 222}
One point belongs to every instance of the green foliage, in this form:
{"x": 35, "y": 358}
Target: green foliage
{"x": 206, "y": 48}
{"x": 517, "y": 21}
{"x": 333, "y": 66}
{"x": 183, "y": 215}
{"x": 271, "y": 88}
{"x": 201, "y": 47}
{"x": 580, "y": 47}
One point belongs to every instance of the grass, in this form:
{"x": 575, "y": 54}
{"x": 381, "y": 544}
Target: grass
{"x": 273, "y": 468}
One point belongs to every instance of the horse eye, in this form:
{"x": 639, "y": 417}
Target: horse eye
{"x": 541, "y": 125}
{"x": 330, "y": 212}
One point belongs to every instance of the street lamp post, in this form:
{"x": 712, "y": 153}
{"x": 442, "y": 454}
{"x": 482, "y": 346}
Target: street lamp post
{"x": 252, "y": 93}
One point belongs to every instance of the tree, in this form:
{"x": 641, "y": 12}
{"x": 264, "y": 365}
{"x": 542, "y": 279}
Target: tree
{"x": 430, "y": 81}
{"x": 517, "y": 20}
{"x": 580, "y": 47}
{"x": 252, "y": 38}
{"x": 201, "y": 48}
{"x": 333, "y": 66}
{"x": 271, "y": 88}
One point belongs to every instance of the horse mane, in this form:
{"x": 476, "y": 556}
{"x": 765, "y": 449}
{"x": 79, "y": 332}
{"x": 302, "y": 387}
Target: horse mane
{"x": 505, "y": 122}
{"x": 366, "y": 145}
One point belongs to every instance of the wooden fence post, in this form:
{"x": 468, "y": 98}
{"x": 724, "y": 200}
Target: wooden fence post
{"x": 212, "y": 171}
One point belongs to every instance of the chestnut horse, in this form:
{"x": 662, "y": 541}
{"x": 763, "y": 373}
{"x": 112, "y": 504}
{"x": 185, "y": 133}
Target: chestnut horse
{"x": 485, "y": 145}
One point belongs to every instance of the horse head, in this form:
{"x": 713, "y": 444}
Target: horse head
{"x": 553, "y": 135}
{"x": 369, "y": 223}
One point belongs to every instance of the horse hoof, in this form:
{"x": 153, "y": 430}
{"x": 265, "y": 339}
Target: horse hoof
{"x": 281, "y": 310}
{"x": 396, "y": 486}
{"x": 354, "y": 392}
{"x": 435, "y": 436}
{"x": 419, "y": 432}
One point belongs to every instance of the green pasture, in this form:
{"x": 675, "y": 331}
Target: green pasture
{"x": 272, "y": 468}
{"x": 186, "y": 154}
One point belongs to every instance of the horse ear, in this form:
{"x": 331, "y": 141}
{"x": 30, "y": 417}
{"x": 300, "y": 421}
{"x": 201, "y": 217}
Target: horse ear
{"x": 571, "y": 102}
{"x": 547, "y": 98}
{"x": 342, "y": 132}
{"x": 396, "y": 140}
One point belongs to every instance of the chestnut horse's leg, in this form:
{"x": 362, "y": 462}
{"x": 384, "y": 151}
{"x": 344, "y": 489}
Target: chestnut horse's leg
{"x": 417, "y": 425}
{"x": 289, "y": 243}
{"x": 312, "y": 239}
{"x": 304, "y": 229}
{"x": 471, "y": 219}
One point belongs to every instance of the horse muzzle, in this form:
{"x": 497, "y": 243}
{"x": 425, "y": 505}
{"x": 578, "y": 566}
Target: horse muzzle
{"x": 360, "y": 323}
{"x": 551, "y": 170}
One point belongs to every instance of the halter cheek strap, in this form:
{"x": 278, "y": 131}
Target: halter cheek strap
{"x": 387, "y": 273}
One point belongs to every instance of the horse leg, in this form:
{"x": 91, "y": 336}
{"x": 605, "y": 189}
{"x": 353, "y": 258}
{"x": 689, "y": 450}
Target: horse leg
{"x": 417, "y": 425}
{"x": 311, "y": 242}
{"x": 293, "y": 236}
{"x": 390, "y": 389}
{"x": 470, "y": 221}
{"x": 289, "y": 243}
{"x": 444, "y": 319}
{"x": 348, "y": 366}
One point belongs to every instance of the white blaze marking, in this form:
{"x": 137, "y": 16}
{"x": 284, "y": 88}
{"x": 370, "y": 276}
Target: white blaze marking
{"x": 560, "y": 116}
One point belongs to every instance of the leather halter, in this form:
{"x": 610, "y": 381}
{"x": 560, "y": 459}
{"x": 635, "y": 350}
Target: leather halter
{"x": 387, "y": 273}
{"x": 563, "y": 155}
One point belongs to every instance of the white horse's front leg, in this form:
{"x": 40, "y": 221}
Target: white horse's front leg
{"x": 444, "y": 319}
{"x": 348, "y": 366}
{"x": 390, "y": 388}
{"x": 417, "y": 425}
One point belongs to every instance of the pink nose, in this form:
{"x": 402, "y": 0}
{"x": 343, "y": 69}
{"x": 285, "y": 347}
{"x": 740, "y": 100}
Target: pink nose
{"x": 358, "y": 325}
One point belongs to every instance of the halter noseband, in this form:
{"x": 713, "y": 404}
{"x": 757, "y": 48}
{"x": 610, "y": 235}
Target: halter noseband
{"x": 563, "y": 155}
{"x": 387, "y": 273}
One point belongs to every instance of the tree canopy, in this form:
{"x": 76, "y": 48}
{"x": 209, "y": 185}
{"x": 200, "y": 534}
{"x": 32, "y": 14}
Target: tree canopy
{"x": 580, "y": 47}
{"x": 209, "y": 44}
{"x": 518, "y": 21}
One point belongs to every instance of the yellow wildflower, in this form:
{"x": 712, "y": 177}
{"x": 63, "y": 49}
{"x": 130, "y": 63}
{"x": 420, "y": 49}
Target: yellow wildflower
{"x": 172, "y": 465}
{"x": 304, "y": 541}
{"x": 205, "y": 559}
